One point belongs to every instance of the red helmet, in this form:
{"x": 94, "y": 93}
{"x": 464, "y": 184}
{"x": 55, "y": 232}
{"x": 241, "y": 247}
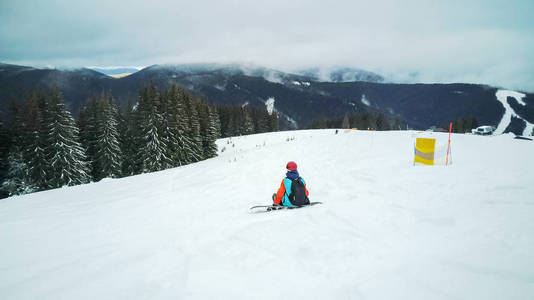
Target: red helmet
{"x": 291, "y": 166}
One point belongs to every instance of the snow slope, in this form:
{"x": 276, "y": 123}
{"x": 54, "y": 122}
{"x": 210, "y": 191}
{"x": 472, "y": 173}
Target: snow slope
{"x": 387, "y": 229}
{"x": 509, "y": 112}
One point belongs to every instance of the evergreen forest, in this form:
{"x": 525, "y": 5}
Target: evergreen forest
{"x": 42, "y": 145}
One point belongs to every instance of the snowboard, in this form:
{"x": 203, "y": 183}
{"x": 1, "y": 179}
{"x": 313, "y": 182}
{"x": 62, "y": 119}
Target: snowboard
{"x": 280, "y": 207}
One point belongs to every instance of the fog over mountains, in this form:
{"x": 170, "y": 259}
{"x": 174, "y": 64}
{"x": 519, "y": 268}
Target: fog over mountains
{"x": 298, "y": 97}
{"x": 114, "y": 71}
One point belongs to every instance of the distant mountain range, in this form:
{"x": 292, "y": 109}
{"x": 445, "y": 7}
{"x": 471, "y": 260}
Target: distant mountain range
{"x": 298, "y": 98}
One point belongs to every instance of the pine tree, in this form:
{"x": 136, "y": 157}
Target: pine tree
{"x": 18, "y": 180}
{"x": 108, "y": 155}
{"x": 229, "y": 129}
{"x": 173, "y": 127}
{"x": 38, "y": 163}
{"x": 275, "y": 123}
{"x": 381, "y": 122}
{"x": 196, "y": 153}
{"x": 129, "y": 141}
{"x": 263, "y": 122}
{"x": 215, "y": 118}
{"x": 64, "y": 151}
{"x": 180, "y": 122}
{"x": 345, "y": 123}
{"x": 88, "y": 122}
{"x": 18, "y": 128}
{"x": 211, "y": 134}
{"x": 224, "y": 116}
{"x": 203, "y": 118}
{"x": 248, "y": 124}
{"x": 473, "y": 123}
{"x": 35, "y": 152}
{"x": 152, "y": 149}
{"x": 458, "y": 125}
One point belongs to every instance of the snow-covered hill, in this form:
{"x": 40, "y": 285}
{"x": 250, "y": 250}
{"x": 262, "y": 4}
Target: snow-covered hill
{"x": 387, "y": 229}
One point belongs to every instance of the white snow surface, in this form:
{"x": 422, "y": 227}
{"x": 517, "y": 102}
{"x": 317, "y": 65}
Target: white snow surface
{"x": 270, "y": 105}
{"x": 502, "y": 96}
{"x": 387, "y": 229}
{"x": 365, "y": 101}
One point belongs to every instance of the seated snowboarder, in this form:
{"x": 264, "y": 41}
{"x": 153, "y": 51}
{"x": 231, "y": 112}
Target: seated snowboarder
{"x": 292, "y": 191}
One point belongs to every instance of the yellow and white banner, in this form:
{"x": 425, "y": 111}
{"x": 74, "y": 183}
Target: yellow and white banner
{"x": 432, "y": 151}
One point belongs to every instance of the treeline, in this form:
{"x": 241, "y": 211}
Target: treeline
{"x": 463, "y": 125}
{"x": 44, "y": 147}
{"x": 364, "y": 121}
{"x": 245, "y": 120}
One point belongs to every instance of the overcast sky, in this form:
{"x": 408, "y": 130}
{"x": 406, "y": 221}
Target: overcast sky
{"x": 483, "y": 41}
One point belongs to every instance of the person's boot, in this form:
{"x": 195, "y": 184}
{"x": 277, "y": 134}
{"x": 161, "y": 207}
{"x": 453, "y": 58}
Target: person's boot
{"x": 275, "y": 207}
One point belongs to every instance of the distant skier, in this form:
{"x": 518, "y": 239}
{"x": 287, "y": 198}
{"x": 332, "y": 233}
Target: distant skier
{"x": 292, "y": 191}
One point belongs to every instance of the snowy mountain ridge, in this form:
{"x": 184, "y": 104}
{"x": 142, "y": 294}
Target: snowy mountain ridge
{"x": 300, "y": 99}
{"x": 387, "y": 229}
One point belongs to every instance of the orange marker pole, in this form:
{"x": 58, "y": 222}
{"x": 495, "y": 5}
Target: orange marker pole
{"x": 448, "y": 146}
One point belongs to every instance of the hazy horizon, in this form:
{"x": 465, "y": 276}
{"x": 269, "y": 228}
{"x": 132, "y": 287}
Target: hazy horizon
{"x": 486, "y": 42}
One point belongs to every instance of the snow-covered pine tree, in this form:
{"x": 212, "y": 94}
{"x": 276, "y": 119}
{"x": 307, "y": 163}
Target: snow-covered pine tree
{"x": 38, "y": 165}
{"x": 169, "y": 128}
{"x": 179, "y": 126}
{"x": 65, "y": 154}
{"x": 108, "y": 155}
{"x": 35, "y": 153}
{"x": 203, "y": 118}
{"x": 215, "y": 118}
{"x": 248, "y": 124}
{"x": 196, "y": 153}
{"x": 210, "y": 147}
{"x": 129, "y": 140}
{"x": 88, "y": 123}
{"x": 18, "y": 180}
{"x": 152, "y": 148}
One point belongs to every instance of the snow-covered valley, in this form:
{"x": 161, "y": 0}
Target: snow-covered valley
{"x": 387, "y": 229}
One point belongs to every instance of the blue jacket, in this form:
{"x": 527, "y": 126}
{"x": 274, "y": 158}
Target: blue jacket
{"x": 282, "y": 196}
